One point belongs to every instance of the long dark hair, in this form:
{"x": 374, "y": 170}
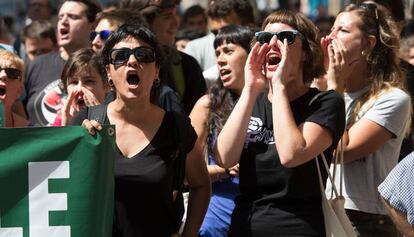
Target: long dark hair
{"x": 222, "y": 100}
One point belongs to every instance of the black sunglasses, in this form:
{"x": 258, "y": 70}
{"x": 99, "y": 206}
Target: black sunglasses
{"x": 142, "y": 54}
{"x": 264, "y": 37}
{"x": 102, "y": 34}
{"x": 12, "y": 73}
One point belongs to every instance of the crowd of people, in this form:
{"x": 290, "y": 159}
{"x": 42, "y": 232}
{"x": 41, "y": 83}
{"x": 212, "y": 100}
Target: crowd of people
{"x": 221, "y": 116}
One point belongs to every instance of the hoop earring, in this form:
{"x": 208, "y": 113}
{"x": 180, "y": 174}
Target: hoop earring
{"x": 156, "y": 82}
{"x": 111, "y": 82}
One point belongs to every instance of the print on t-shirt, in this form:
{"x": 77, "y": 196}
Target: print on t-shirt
{"x": 50, "y": 102}
{"x": 257, "y": 133}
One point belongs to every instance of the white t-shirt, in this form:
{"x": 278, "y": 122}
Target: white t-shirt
{"x": 390, "y": 110}
{"x": 202, "y": 49}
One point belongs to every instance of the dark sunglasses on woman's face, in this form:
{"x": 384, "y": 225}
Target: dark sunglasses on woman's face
{"x": 102, "y": 34}
{"x": 12, "y": 73}
{"x": 290, "y": 35}
{"x": 142, "y": 54}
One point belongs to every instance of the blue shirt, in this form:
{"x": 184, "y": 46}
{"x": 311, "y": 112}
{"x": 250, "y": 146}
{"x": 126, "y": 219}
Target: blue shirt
{"x": 398, "y": 187}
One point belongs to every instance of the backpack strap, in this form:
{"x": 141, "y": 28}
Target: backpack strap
{"x": 97, "y": 113}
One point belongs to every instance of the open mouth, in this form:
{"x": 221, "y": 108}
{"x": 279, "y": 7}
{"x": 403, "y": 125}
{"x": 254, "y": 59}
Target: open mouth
{"x": 81, "y": 103}
{"x": 133, "y": 79}
{"x": 2, "y": 91}
{"x": 63, "y": 32}
{"x": 224, "y": 72}
{"x": 274, "y": 59}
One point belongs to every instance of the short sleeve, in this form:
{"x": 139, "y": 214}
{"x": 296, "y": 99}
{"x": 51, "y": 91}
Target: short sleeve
{"x": 328, "y": 110}
{"x": 398, "y": 188}
{"x": 391, "y": 110}
{"x": 169, "y": 100}
{"x": 185, "y": 130}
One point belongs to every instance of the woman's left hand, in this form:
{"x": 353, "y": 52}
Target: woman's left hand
{"x": 282, "y": 72}
{"x": 92, "y": 126}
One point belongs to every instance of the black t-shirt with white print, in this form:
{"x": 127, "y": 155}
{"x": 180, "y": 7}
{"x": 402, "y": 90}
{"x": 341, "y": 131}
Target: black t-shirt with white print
{"x": 279, "y": 201}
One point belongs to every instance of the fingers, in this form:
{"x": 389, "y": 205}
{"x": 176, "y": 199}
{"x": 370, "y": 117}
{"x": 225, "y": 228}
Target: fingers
{"x": 89, "y": 98}
{"x": 234, "y": 171}
{"x": 69, "y": 101}
{"x": 253, "y": 52}
{"x": 67, "y": 109}
{"x": 91, "y": 126}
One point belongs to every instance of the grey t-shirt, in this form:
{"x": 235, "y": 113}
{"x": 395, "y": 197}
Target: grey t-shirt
{"x": 390, "y": 110}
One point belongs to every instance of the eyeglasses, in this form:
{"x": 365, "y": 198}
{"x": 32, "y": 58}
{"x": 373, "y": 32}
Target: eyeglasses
{"x": 12, "y": 73}
{"x": 142, "y": 54}
{"x": 102, "y": 34}
{"x": 290, "y": 35}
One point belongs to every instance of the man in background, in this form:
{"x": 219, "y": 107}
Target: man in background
{"x": 43, "y": 86}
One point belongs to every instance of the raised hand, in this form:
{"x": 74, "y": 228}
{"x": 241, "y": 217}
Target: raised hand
{"x": 339, "y": 66}
{"x": 283, "y": 71}
{"x": 68, "y": 109}
{"x": 89, "y": 98}
{"x": 325, "y": 42}
{"x": 254, "y": 78}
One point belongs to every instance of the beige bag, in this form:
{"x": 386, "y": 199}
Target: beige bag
{"x": 337, "y": 223}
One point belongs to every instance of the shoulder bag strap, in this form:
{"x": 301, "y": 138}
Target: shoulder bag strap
{"x": 97, "y": 113}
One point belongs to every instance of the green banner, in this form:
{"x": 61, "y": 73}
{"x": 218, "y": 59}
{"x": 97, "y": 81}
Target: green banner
{"x": 56, "y": 182}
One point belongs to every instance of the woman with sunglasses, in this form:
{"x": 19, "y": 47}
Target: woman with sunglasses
{"x": 108, "y": 22}
{"x": 11, "y": 87}
{"x": 284, "y": 126}
{"x": 146, "y": 143}
{"x": 363, "y": 65}
{"x": 211, "y": 111}
{"x": 84, "y": 82}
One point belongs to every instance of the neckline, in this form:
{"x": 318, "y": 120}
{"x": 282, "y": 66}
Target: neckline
{"x": 147, "y": 146}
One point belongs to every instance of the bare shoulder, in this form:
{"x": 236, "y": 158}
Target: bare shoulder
{"x": 201, "y": 106}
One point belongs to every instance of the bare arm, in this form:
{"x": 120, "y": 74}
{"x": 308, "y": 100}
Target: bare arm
{"x": 295, "y": 145}
{"x": 231, "y": 139}
{"x": 199, "y": 117}
{"x": 400, "y": 220}
{"x": 364, "y": 138}
{"x": 200, "y": 192}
